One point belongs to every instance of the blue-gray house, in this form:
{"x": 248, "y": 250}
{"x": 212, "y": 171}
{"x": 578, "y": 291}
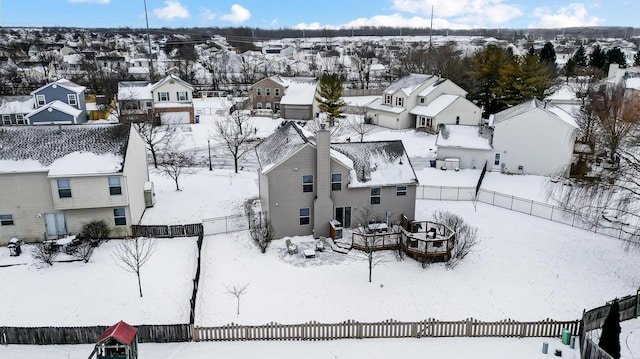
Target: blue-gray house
{"x": 14, "y": 110}
{"x": 60, "y": 102}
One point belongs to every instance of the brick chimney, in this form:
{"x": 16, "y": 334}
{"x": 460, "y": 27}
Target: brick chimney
{"x": 322, "y": 205}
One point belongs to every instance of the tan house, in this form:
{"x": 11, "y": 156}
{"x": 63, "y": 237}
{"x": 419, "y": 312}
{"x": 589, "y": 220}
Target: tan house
{"x": 305, "y": 181}
{"x": 292, "y": 97}
{"x": 54, "y": 179}
{"x": 423, "y": 101}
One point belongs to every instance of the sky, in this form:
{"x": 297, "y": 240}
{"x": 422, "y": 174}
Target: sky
{"x": 315, "y": 14}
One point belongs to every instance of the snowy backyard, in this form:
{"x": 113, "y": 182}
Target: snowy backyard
{"x": 523, "y": 268}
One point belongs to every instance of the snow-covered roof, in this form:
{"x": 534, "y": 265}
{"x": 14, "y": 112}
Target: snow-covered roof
{"x": 64, "y": 149}
{"x": 370, "y": 163}
{"x": 16, "y": 104}
{"x": 134, "y": 90}
{"x": 171, "y": 77}
{"x": 71, "y": 86}
{"x": 379, "y": 106}
{"x": 58, "y": 106}
{"x": 408, "y": 84}
{"x": 431, "y": 88}
{"x": 565, "y": 92}
{"x": 463, "y": 136}
{"x": 533, "y": 104}
{"x": 298, "y": 90}
{"x": 434, "y": 107}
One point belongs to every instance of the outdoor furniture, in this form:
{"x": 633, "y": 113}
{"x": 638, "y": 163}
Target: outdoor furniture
{"x": 291, "y": 248}
{"x": 15, "y": 247}
{"x": 320, "y": 244}
{"x": 309, "y": 253}
{"x": 377, "y": 227}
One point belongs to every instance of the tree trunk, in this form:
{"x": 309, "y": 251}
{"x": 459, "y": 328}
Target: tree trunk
{"x": 139, "y": 284}
{"x": 155, "y": 157}
{"x": 177, "y": 187}
{"x": 235, "y": 162}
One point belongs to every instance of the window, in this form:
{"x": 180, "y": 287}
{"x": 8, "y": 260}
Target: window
{"x": 6, "y": 219}
{"x": 114, "y": 185}
{"x": 307, "y": 183}
{"x": 131, "y": 106}
{"x": 421, "y": 99}
{"x": 149, "y": 104}
{"x": 120, "y": 216}
{"x": 259, "y": 105}
{"x": 267, "y": 91}
{"x": 268, "y": 105}
{"x": 72, "y": 99}
{"x": 305, "y": 214}
{"x": 399, "y": 101}
{"x": 163, "y": 96}
{"x": 259, "y": 91}
{"x": 457, "y": 120}
{"x": 40, "y": 100}
{"x": 64, "y": 188}
{"x": 336, "y": 181}
{"x": 401, "y": 191}
{"x": 496, "y": 161}
{"x": 182, "y": 96}
{"x": 387, "y": 99}
{"x": 6, "y": 119}
{"x": 276, "y": 91}
{"x": 20, "y": 119}
{"x": 375, "y": 195}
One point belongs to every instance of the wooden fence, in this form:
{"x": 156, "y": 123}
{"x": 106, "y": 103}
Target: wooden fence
{"x": 167, "y": 231}
{"x": 387, "y": 329}
{"x": 90, "y": 335}
{"x": 629, "y": 309}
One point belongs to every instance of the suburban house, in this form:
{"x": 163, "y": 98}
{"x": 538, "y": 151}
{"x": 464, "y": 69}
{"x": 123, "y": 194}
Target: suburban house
{"x": 169, "y": 100}
{"x": 293, "y": 97}
{"x": 14, "y": 110}
{"x": 423, "y": 102}
{"x": 534, "y": 137}
{"x": 305, "y": 181}
{"x": 60, "y": 102}
{"x": 54, "y": 179}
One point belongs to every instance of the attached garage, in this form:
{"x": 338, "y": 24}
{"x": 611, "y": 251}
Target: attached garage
{"x": 296, "y": 112}
{"x": 175, "y": 118}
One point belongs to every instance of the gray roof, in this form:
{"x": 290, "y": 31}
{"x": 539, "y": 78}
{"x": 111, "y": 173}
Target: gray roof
{"x": 518, "y": 110}
{"x": 408, "y": 83}
{"x": 284, "y": 141}
{"x": 362, "y": 152}
{"x": 46, "y": 144}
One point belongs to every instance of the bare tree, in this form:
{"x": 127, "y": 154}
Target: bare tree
{"x": 131, "y": 254}
{"x": 45, "y": 253}
{"x": 175, "y": 162}
{"x": 262, "y": 233}
{"x": 370, "y": 242}
{"x": 237, "y": 291}
{"x": 157, "y": 138}
{"x": 236, "y": 134}
{"x": 466, "y": 237}
{"x": 362, "y": 60}
{"x": 359, "y": 124}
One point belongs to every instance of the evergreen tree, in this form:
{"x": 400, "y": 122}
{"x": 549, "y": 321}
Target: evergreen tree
{"x": 330, "y": 97}
{"x": 486, "y": 72}
{"x": 548, "y": 53}
{"x": 580, "y": 57}
{"x": 523, "y": 78}
{"x": 531, "y": 51}
{"x": 636, "y": 59}
{"x": 610, "y": 337}
{"x": 570, "y": 68}
{"x": 598, "y": 58}
{"x": 616, "y": 56}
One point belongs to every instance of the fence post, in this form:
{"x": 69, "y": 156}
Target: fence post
{"x": 531, "y": 209}
{"x": 468, "y": 327}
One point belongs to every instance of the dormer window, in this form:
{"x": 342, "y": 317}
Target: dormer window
{"x": 40, "y": 100}
{"x": 72, "y": 99}
{"x": 387, "y": 99}
{"x": 421, "y": 99}
{"x": 399, "y": 101}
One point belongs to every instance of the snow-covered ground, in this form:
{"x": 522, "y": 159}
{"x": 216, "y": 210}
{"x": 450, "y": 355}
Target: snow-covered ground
{"x": 523, "y": 268}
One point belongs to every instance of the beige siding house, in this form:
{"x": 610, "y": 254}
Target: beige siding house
{"x": 56, "y": 178}
{"x": 306, "y": 181}
{"x": 292, "y": 97}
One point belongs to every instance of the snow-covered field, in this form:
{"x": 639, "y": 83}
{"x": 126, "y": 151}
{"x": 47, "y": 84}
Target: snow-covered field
{"x": 524, "y": 268}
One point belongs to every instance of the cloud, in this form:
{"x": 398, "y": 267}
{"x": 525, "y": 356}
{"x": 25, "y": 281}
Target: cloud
{"x": 394, "y": 20}
{"x": 90, "y": 1}
{"x": 208, "y": 15}
{"x": 569, "y": 16}
{"x": 172, "y": 10}
{"x": 238, "y": 14}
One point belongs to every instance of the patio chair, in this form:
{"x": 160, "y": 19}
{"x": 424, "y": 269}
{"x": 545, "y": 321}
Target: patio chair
{"x": 291, "y": 248}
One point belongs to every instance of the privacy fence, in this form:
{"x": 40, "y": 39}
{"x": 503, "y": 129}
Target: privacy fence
{"x": 522, "y": 205}
{"x": 167, "y": 231}
{"x": 352, "y": 329}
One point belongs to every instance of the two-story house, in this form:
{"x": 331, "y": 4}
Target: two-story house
{"x": 423, "y": 101}
{"x": 60, "y": 102}
{"x": 135, "y": 101}
{"x": 293, "y": 97}
{"x": 15, "y": 109}
{"x": 305, "y": 181}
{"x": 54, "y": 179}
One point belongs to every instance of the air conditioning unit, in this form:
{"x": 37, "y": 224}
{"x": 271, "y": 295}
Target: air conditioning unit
{"x": 149, "y": 195}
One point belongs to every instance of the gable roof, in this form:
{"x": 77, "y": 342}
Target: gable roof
{"x": 134, "y": 90}
{"x": 64, "y": 149}
{"x": 298, "y": 90}
{"x": 530, "y": 105}
{"x": 16, "y": 104}
{"x": 71, "y": 86}
{"x": 465, "y": 136}
{"x": 435, "y": 107}
{"x": 121, "y": 331}
{"x": 433, "y": 87}
{"x": 171, "y": 77}
{"x": 408, "y": 84}
{"x": 58, "y": 106}
{"x": 370, "y": 163}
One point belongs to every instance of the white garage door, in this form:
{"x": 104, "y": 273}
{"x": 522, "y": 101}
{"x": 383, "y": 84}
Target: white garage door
{"x": 175, "y": 118}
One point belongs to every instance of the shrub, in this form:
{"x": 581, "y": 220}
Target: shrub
{"x": 95, "y": 231}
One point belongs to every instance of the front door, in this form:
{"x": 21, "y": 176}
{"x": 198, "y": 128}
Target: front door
{"x": 55, "y": 223}
{"x": 343, "y": 215}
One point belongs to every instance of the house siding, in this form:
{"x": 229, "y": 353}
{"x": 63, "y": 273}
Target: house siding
{"x": 26, "y": 196}
{"x": 60, "y": 93}
{"x": 136, "y": 172}
{"x": 263, "y": 99}
{"x": 469, "y": 158}
{"x": 54, "y": 116}
{"x": 89, "y": 192}
{"x": 469, "y": 113}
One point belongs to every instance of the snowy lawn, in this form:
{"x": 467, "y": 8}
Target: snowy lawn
{"x": 99, "y": 292}
{"x": 523, "y": 268}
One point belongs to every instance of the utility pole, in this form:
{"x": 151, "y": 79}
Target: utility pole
{"x": 431, "y": 28}
{"x": 146, "y": 17}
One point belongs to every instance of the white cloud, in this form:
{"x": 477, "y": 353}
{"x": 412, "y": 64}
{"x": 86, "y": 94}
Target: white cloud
{"x": 574, "y": 14}
{"x": 238, "y": 14}
{"x": 91, "y": 1}
{"x": 172, "y": 10}
{"x": 208, "y": 15}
